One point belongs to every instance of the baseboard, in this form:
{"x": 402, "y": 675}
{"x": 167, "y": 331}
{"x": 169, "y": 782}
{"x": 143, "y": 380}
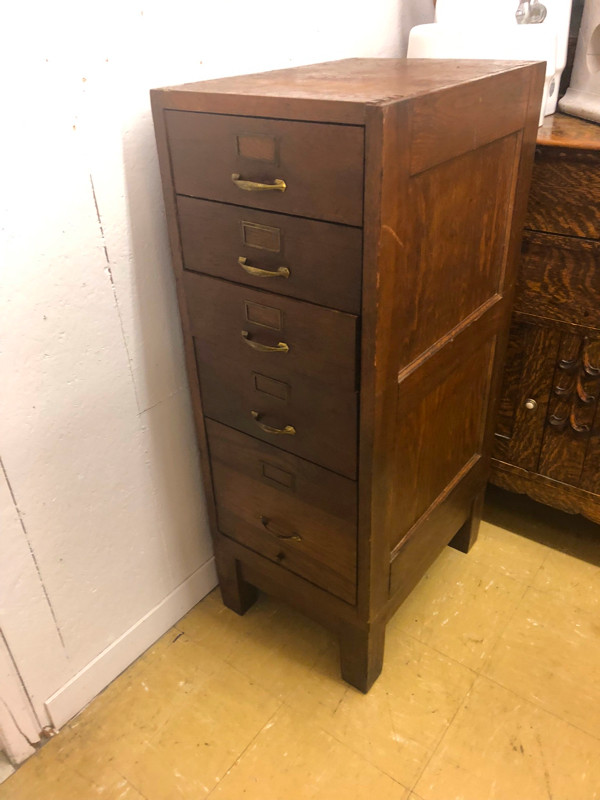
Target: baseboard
{"x": 95, "y": 676}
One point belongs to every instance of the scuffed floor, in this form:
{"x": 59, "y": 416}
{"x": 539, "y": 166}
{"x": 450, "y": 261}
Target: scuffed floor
{"x": 490, "y": 689}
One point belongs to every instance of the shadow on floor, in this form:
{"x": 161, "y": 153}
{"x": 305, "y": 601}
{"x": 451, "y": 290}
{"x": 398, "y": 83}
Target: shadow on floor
{"x": 570, "y": 533}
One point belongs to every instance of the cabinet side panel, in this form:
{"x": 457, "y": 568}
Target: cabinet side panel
{"x": 460, "y": 210}
{"x": 440, "y": 432}
{"x": 459, "y": 225}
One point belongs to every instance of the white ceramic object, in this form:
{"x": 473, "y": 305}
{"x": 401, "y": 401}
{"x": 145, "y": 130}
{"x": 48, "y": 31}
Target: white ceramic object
{"x": 583, "y": 95}
{"x": 464, "y": 29}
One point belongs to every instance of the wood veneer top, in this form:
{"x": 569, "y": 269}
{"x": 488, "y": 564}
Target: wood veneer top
{"x": 560, "y": 130}
{"x": 338, "y": 90}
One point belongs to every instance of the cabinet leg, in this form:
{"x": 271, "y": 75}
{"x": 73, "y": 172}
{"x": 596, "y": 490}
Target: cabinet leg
{"x": 467, "y": 535}
{"x": 361, "y": 653}
{"x": 237, "y": 594}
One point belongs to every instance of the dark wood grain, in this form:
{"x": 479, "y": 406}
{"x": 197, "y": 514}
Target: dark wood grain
{"x": 553, "y": 452}
{"x": 433, "y": 452}
{"x": 442, "y": 220}
{"x": 519, "y": 430}
{"x": 564, "y": 192}
{"x": 204, "y": 155}
{"x": 572, "y": 412}
{"x": 460, "y": 227}
{"x": 423, "y": 543}
{"x": 446, "y": 127}
{"x": 310, "y": 388}
{"x": 322, "y": 342}
{"x": 318, "y": 507}
{"x": 560, "y": 279}
{"x": 324, "y": 260}
{"x": 361, "y": 653}
{"x": 547, "y": 490}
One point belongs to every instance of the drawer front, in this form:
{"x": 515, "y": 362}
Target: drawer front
{"x": 315, "y": 261}
{"x": 308, "y": 419}
{"x": 321, "y": 165}
{"x": 290, "y": 511}
{"x": 565, "y": 193}
{"x": 235, "y": 324}
{"x": 560, "y": 279}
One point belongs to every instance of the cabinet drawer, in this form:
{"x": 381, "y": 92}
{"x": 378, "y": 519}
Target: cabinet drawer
{"x": 293, "y": 512}
{"x": 315, "y": 261}
{"x": 234, "y": 324}
{"x": 559, "y": 279}
{"x": 565, "y": 193}
{"x": 318, "y": 423}
{"x": 321, "y": 164}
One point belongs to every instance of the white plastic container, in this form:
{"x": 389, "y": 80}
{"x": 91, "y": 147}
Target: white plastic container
{"x": 466, "y": 29}
{"x": 583, "y": 95}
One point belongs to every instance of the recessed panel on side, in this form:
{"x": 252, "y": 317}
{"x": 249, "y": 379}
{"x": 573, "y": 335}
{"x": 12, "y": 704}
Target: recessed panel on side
{"x": 438, "y": 435}
{"x": 460, "y": 234}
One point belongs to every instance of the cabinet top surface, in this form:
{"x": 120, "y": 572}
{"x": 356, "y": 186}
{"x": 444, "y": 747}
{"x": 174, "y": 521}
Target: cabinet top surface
{"x": 560, "y": 130}
{"x": 350, "y": 84}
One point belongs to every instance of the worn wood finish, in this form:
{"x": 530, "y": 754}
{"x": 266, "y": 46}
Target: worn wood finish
{"x": 291, "y": 511}
{"x": 438, "y": 293}
{"x": 446, "y": 128}
{"x": 311, "y": 387}
{"x": 321, "y": 341}
{"x": 340, "y": 91}
{"x": 207, "y": 149}
{"x": 444, "y": 174}
{"x": 324, "y": 260}
{"x": 552, "y": 451}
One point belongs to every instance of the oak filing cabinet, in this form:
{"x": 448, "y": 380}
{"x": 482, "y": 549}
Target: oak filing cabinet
{"x": 344, "y": 239}
{"x": 548, "y": 426}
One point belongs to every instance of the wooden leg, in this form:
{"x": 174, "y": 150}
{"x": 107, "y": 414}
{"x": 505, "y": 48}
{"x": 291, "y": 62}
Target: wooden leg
{"x": 237, "y": 594}
{"x": 361, "y": 654}
{"x": 467, "y": 535}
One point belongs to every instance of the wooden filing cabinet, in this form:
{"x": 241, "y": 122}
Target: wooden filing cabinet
{"x": 548, "y": 426}
{"x": 344, "y": 239}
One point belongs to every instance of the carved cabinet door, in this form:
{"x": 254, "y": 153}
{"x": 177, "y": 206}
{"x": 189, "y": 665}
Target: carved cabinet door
{"x": 570, "y": 447}
{"x": 549, "y": 422}
{"x": 526, "y": 391}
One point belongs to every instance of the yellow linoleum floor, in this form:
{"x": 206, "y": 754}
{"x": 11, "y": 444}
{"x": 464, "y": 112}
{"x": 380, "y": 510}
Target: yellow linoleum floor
{"x": 490, "y": 691}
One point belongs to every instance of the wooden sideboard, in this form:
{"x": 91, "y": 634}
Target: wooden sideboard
{"x": 345, "y": 239}
{"x": 548, "y": 428}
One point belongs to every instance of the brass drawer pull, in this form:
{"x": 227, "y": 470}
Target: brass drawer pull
{"x": 289, "y": 429}
{"x": 280, "y": 347}
{"x": 290, "y": 537}
{"x": 252, "y": 186}
{"x": 256, "y": 272}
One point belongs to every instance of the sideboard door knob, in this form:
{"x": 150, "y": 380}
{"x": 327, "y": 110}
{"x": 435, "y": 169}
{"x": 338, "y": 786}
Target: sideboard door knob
{"x": 530, "y": 404}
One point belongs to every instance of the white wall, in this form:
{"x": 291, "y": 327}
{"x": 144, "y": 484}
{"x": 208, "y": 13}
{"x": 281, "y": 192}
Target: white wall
{"x": 104, "y": 535}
